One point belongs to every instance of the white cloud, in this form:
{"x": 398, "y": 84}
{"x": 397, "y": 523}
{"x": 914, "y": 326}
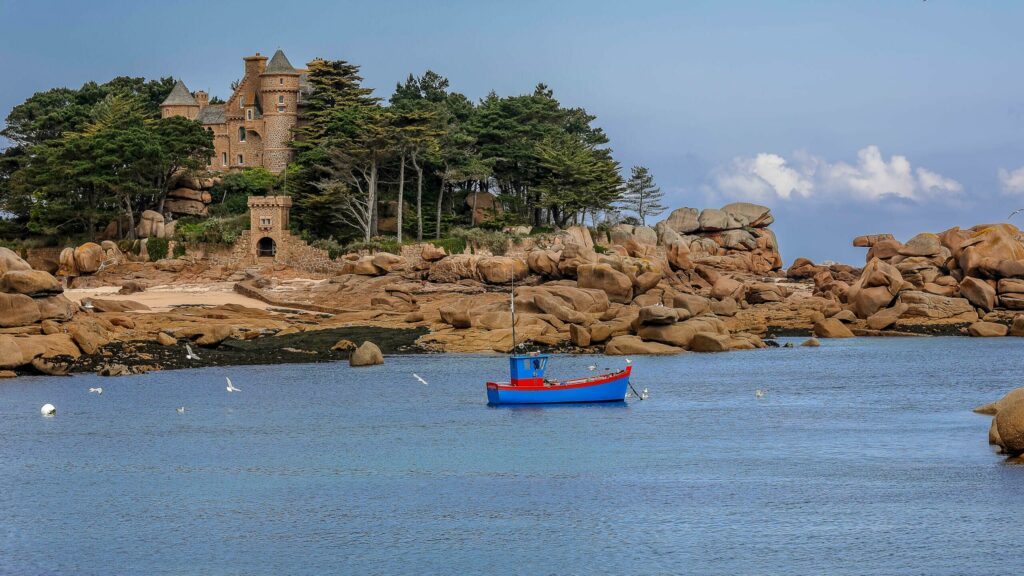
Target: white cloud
{"x": 1011, "y": 182}
{"x": 767, "y": 176}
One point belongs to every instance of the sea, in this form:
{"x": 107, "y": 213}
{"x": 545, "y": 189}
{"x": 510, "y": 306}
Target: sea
{"x": 860, "y": 457}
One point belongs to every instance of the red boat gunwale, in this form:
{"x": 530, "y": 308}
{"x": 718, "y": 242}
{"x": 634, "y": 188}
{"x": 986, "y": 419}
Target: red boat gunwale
{"x": 556, "y": 385}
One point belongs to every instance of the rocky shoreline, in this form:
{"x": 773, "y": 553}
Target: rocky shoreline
{"x": 699, "y": 281}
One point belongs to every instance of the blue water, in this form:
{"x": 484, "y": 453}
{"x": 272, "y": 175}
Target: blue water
{"x": 862, "y": 458}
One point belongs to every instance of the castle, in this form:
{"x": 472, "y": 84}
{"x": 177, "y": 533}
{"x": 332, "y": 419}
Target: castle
{"x": 254, "y": 127}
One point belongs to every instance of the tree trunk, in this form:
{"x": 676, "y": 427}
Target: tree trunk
{"x": 440, "y": 198}
{"x": 401, "y": 197}
{"x": 419, "y": 198}
{"x": 371, "y": 229}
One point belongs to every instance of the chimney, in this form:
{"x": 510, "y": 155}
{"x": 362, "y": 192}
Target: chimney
{"x": 254, "y": 65}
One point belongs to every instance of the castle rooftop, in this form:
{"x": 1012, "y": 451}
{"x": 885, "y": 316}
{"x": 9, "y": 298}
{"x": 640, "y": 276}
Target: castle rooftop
{"x": 279, "y": 64}
{"x": 179, "y": 96}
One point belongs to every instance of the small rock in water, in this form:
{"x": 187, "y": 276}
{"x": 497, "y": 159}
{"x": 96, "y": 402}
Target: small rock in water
{"x": 811, "y": 343}
{"x": 787, "y": 345}
{"x": 48, "y": 410}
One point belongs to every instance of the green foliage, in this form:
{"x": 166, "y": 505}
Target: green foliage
{"x": 223, "y": 231}
{"x": 374, "y": 244}
{"x": 332, "y": 246}
{"x": 600, "y": 249}
{"x": 156, "y": 248}
{"x": 179, "y": 249}
{"x": 232, "y": 192}
{"x": 84, "y": 156}
{"x": 494, "y": 241}
{"x": 450, "y": 245}
{"x": 129, "y": 246}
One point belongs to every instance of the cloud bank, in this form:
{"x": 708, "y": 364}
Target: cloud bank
{"x": 1011, "y": 182}
{"x": 770, "y": 176}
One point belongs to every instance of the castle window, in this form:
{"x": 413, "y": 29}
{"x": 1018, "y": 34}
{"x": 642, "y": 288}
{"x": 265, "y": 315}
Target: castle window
{"x": 280, "y": 80}
{"x": 248, "y": 114}
{"x": 241, "y": 133}
{"x": 265, "y": 222}
{"x": 280, "y": 99}
{"x": 224, "y": 158}
{"x": 241, "y": 159}
{"x": 280, "y": 108}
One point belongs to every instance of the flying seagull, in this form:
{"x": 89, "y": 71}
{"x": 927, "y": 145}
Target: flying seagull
{"x": 422, "y": 381}
{"x": 231, "y": 387}
{"x": 189, "y": 354}
{"x": 1014, "y": 213}
{"x": 96, "y": 390}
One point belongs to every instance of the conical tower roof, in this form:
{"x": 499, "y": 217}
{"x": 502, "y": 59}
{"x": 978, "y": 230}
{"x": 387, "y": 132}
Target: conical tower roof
{"x": 179, "y": 96}
{"x": 279, "y": 64}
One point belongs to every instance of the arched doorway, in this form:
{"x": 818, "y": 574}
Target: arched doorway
{"x": 266, "y": 248}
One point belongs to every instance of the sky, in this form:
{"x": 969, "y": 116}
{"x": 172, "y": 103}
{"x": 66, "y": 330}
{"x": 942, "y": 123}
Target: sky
{"x": 846, "y": 118}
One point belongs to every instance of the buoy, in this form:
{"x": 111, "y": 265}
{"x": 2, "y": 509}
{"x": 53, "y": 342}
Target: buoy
{"x": 48, "y": 410}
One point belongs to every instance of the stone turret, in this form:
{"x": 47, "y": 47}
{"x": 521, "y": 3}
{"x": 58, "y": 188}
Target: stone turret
{"x": 202, "y": 98}
{"x": 279, "y": 90}
{"x": 179, "y": 102}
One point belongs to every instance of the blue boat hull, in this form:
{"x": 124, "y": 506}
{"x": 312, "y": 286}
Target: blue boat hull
{"x": 613, "y": 390}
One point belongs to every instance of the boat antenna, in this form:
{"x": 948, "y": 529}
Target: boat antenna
{"x": 513, "y": 310}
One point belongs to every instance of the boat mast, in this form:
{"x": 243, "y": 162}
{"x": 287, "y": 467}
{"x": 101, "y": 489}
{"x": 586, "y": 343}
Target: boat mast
{"x": 513, "y": 310}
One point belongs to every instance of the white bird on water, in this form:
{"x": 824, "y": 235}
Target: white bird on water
{"x": 96, "y": 390}
{"x": 231, "y": 387}
{"x": 592, "y": 367}
{"x": 189, "y": 354}
{"x": 759, "y": 393}
{"x": 628, "y": 361}
{"x": 180, "y": 409}
{"x": 422, "y": 381}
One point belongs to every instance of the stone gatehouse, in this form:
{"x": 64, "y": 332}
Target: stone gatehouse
{"x": 270, "y": 241}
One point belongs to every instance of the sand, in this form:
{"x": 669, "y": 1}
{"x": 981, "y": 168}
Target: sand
{"x": 163, "y": 298}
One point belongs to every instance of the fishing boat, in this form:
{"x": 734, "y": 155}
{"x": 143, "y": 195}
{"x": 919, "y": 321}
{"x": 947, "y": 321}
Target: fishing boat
{"x": 529, "y": 386}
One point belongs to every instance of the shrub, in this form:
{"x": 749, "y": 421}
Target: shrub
{"x": 128, "y": 246}
{"x": 157, "y": 248}
{"x": 332, "y": 246}
{"x": 494, "y": 241}
{"x": 601, "y": 249}
{"x": 223, "y": 231}
{"x": 231, "y": 192}
{"x": 179, "y": 249}
{"x": 450, "y": 245}
{"x": 375, "y": 244}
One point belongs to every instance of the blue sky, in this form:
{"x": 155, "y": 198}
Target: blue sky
{"x": 846, "y": 117}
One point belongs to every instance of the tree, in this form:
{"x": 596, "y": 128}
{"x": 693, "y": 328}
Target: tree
{"x": 420, "y": 115}
{"x": 345, "y": 137}
{"x": 575, "y": 177}
{"x": 642, "y": 196}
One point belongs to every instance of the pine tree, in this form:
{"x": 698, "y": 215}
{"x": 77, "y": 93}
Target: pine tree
{"x": 642, "y": 195}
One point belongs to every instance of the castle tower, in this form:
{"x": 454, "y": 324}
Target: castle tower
{"x": 179, "y": 102}
{"x": 268, "y": 226}
{"x": 279, "y": 90}
{"x": 202, "y": 98}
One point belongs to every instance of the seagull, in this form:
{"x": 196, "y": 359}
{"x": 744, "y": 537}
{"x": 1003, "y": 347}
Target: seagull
{"x": 231, "y": 387}
{"x": 628, "y": 361}
{"x": 422, "y": 381}
{"x": 87, "y": 304}
{"x": 180, "y": 409}
{"x": 759, "y": 393}
{"x": 96, "y": 390}
{"x": 1014, "y": 213}
{"x": 592, "y": 367}
{"x": 189, "y": 354}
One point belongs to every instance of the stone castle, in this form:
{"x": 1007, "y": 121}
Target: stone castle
{"x": 254, "y": 127}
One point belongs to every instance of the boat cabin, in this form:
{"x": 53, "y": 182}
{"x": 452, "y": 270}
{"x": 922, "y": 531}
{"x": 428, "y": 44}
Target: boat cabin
{"x": 527, "y": 369}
